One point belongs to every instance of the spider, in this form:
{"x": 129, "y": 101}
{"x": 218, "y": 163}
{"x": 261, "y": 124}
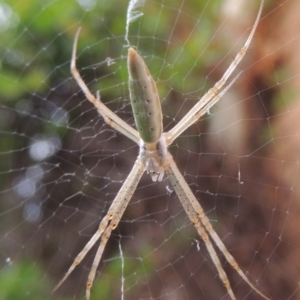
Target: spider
{"x": 154, "y": 157}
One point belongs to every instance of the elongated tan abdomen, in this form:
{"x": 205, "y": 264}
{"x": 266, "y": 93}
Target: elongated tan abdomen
{"x": 144, "y": 99}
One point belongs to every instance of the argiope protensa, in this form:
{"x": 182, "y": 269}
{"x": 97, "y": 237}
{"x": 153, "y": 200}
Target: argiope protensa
{"x": 155, "y": 158}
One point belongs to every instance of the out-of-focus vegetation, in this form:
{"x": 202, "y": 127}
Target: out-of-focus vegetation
{"x": 24, "y": 280}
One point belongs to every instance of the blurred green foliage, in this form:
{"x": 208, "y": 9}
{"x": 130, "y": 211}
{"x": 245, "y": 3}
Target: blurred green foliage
{"x": 24, "y": 280}
{"x": 36, "y": 48}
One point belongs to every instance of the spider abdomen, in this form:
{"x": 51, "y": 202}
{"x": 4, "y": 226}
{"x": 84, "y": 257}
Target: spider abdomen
{"x": 144, "y": 99}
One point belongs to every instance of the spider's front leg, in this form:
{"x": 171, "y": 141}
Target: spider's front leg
{"x": 107, "y": 225}
{"x": 201, "y": 222}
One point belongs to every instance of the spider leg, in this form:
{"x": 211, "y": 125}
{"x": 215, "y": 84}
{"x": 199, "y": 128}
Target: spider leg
{"x": 197, "y": 216}
{"x": 197, "y": 223}
{"x": 108, "y": 223}
{"x": 109, "y": 117}
{"x": 185, "y": 122}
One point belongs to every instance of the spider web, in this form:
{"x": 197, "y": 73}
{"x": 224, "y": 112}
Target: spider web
{"x": 61, "y": 166}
